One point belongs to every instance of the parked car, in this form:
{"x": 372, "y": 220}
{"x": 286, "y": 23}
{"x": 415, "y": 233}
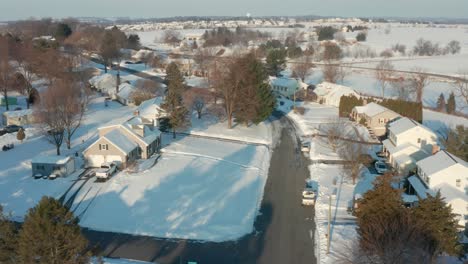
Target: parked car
{"x": 308, "y": 201}
{"x": 2, "y": 132}
{"x": 53, "y": 176}
{"x": 37, "y": 176}
{"x": 12, "y": 128}
{"x": 308, "y": 193}
{"x": 305, "y": 147}
{"x": 381, "y": 167}
{"x": 8, "y": 147}
{"x": 107, "y": 169}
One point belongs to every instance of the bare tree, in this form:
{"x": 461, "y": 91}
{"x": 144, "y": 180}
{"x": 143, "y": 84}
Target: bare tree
{"x": 195, "y": 98}
{"x": 6, "y": 70}
{"x": 419, "y": 81}
{"x": 171, "y": 37}
{"x": 383, "y": 74}
{"x": 352, "y": 155}
{"x": 402, "y": 88}
{"x": 335, "y": 130}
{"x": 203, "y": 58}
{"x": 145, "y": 90}
{"x": 461, "y": 87}
{"x": 303, "y": 67}
{"x": 28, "y": 63}
{"x": 333, "y": 73}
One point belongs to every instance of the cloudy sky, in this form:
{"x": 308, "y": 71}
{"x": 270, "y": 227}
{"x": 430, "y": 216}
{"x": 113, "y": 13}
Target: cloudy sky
{"x": 20, "y": 9}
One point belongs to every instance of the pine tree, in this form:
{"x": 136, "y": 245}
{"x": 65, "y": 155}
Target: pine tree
{"x": 441, "y": 105}
{"x": 7, "y": 239}
{"x": 21, "y": 135}
{"x": 267, "y": 103}
{"x": 51, "y": 235}
{"x": 451, "y": 104}
{"x": 173, "y": 105}
{"x": 276, "y": 61}
{"x": 440, "y": 225}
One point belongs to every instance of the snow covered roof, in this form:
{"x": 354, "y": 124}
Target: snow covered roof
{"x": 440, "y": 161}
{"x": 404, "y": 124}
{"x": 105, "y": 82}
{"x": 285, "y": 82}
{"x": 120, "y": 141}
{"x": 331, "y": 90}
{"x": 405, "y": 153}
{"x": 126, "y": 90}
{"x": 148, "y": 135}
{"x": 151, "y": 108}
{"x": 18, "y": 113}
{"x": 45, "y": 159}
{"x": 371, "y": 109}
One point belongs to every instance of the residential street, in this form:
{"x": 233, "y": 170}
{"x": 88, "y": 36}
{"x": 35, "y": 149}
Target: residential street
{"x": 284, "y": 230}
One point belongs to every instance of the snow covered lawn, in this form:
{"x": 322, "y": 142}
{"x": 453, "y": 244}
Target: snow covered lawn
{"x": 200, "y": 189}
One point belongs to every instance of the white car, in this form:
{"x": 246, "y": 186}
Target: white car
{"x": 305, "y": 147}
{"x": 308, "y": 201}
{"x": 308, "y": 194}
{"x": 381, "y": 167}
{"x": 106, "y": 170}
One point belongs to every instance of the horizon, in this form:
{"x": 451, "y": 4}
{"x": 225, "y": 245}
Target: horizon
{"x": 450, "y": 9}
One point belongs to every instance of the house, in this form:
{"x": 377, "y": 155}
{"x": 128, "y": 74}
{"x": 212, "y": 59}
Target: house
{"x": 408, "y": 142}
{"x": 18, "y": 117}
{"x": 448, "y": 174}
{"x": 285, "y": 86}
{"x": 125, "y": 94}
{"x": 330, "y": 93}
{"x": 151, "y": 110}
{"x": 124, "y": 143}
{"x": 47, "y": 165}
{"x": 375, "y": 117}
{"x": 105, "y": 83}
{"x": 10, "y": 100}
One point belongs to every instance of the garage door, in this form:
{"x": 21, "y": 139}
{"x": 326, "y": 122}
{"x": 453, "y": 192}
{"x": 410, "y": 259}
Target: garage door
{"x": 95, "y": 160}
{"x": 110, "y": 158}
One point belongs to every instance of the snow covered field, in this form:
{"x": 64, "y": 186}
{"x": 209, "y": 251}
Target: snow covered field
{"x": 200, "y": 189}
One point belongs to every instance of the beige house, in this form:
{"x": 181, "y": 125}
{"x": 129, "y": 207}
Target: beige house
{"x": 123, "y": 143}
{"x": 19, "y": 117}
{"x": 375, "y": 117}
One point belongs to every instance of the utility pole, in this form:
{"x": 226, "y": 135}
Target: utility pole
{"x": 329, "y": 223}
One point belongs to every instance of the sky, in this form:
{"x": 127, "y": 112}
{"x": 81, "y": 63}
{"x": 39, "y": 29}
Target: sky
{"x": 22, "y": 9}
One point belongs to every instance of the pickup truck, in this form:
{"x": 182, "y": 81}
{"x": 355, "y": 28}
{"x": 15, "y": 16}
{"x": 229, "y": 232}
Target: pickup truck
{"x": 106, "y": 170}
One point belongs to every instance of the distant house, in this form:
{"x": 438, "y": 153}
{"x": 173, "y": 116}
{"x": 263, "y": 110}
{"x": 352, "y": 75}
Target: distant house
{"x": 408, "y": 142}
{"x": 105, "y": 83}
{"x": 375, "y": 116}
{"x": 151, "y": 110}
{"x": 47, "y": 165}
{"x": 285, "y": 86}
{"x": 448, "y": 174}
{"x": 19, "y": 117}
{"x": 330, "y": 93}
{"x": 124, "y": 143}
{"x": 125, "y": 94}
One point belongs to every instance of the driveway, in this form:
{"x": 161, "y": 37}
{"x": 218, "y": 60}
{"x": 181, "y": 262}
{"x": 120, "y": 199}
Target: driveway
{"x": 283, "y": 231}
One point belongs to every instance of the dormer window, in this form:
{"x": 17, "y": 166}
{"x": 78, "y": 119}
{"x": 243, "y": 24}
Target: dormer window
{"x": 458, "y": 183}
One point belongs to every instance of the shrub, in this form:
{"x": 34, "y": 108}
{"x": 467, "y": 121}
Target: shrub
{"x": 361, "y": 36}
{"x": 326, "y": 33}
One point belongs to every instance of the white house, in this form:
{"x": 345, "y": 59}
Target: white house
{"x": 18, "y": 117}
{"x": 125, "y": 94}
{"x": 408, "y": 142}
{"x": 330, "y": 93}
{"x": 105, "y": 83}
{"x": 151, "y": 110}
{"x": 448, "y": 174}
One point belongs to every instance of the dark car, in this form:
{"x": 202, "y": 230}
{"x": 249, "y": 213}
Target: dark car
{"x": 12, "y": 128}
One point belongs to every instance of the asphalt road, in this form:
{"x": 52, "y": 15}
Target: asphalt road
{"x": 284, "y": 230}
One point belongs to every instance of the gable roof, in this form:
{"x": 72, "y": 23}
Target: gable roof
{"x": 371, "y": 109}
{"x": 45, "y": 159}
{"x": 119, "y": 140}
{"x": 126, "y": 90}
{"x": 440, "y": 161}
{"x": 285, "y": 82}
{"x": 151, "y": 107}
{"x": 335, "y": 90}
{"x": 404, "y": 124}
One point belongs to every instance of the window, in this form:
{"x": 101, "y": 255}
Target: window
{"x": 419, "y": 140}
{"x": 381, "y": 121}
{"x": 103, "y": 147}
{"x": 458, "y": 183}
{"x": 40, "y": 167}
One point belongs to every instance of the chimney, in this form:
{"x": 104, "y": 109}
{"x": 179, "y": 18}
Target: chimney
{"x": 435, "y": 149}
{"x": 364, "y": 102}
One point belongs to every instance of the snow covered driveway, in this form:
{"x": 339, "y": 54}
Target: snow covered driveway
{"x": 200, "y": 189}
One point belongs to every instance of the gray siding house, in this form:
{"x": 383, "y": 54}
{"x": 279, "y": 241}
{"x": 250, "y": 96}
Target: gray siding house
{"x": 47, "y": 165}
{"x": 374, "y": 116}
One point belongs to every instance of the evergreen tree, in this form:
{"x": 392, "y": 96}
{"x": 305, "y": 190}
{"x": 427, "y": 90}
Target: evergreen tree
{"x": 456, "y": 142}
{"x": 51, "y": 235}
{"x": 440, "y": 226}
{"x": 20, "y": 135}
{"x": 133, "y": 41}
{"x": 441, "y": 105}
{"x": 173, "y": 104}
{"x": 7, "y": 239}
{"x": 451, "y": 104}
{"x": 63, "y": 31}
{"x": 267, "y": 103}
{"x": 276, "y": 61}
